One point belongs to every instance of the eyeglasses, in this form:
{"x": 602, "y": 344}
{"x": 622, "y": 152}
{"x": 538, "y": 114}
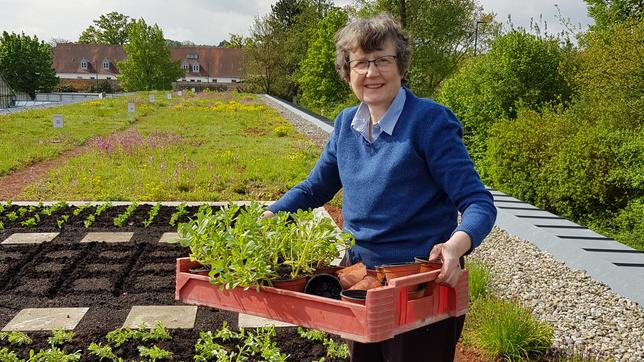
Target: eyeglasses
{"x": 383, "y": 64}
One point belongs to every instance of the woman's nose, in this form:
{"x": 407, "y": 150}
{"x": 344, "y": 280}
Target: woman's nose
{"x": 372, "y": 69}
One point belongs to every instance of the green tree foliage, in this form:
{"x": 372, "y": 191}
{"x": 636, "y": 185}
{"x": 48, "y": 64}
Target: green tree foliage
{"x": 26, "y": 63}
{"x": 235, "y": 41}
{"x": 148, "y": 65}
{"x": 585, "y": 162}
{"x": 443, "y": 33}
{"x": 608, "y": 12}
{"x": 320, "y": 84}
{"x": 110, "y": 28}
{"x": 519, "y": 67}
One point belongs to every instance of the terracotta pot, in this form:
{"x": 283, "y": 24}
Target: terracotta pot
{"x": 368, "y": 282}
{"x": 298, "y": 284}
{"x": 426, "y": 265}
{"x": 393, "y": 271}
{"x": 354, "y": 296}
{"x": 351, "y": 275}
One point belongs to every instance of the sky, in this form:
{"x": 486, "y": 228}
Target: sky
{"x": 211, "y": 21}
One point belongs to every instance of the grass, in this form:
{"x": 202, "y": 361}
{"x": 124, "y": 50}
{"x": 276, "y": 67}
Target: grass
{"x": 207, "y": 147}
{"x": 28, "y": 136}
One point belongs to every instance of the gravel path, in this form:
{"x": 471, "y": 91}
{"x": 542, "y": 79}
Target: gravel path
{"x": 586, "y": 315}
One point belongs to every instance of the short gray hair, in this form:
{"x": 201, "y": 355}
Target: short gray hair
{"x": 369, "y": 35}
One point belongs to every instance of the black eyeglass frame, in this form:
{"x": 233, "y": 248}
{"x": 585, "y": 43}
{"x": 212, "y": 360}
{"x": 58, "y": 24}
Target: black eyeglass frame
{"x": 368, "y": 62}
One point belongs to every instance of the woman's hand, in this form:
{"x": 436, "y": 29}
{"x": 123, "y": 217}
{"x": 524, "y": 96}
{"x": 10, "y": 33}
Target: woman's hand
{"x": 267, "y": 214}
{"x": 450, "y": 252}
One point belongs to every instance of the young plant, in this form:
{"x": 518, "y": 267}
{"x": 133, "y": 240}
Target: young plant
{"x": 60, "y": 337}
{"x": 102, "y": 207}
{"x": 176, "y": 216}
{"x": 15, "y": 338}
{"x": 103, "y": 352}
{"x": 120, "y": 220}
{"x": 206, "y": 348}
{"x": 1, "y": 226}
{"x": 333, "y": 349}
{"x": 7, "y": 355}
{"x": 60, "y": 222}
{"x": 12, "y": 216}
{"x": 77, "y": 211}
{"x": 31, "y": 222}
{"x": 53, "y": 354}
{"x": 3, "y": 206}
{"x": 53, "y": 208}
{"x": 121, "y": 335}
{"x": 22, "y": 211}
{"x": 89, "y": 220}
{"x": 154, "y": 353}
{"x": 152, "y": 214}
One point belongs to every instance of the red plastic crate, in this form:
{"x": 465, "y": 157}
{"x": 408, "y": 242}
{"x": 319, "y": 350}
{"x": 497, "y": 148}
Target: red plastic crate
{"x": 386, "y": 313}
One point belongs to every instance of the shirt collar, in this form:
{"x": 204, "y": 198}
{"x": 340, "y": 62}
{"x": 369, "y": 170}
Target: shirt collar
{"x": 388, "y": 121}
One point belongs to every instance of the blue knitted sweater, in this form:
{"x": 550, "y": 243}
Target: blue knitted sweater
{"x": 402, "y": 192}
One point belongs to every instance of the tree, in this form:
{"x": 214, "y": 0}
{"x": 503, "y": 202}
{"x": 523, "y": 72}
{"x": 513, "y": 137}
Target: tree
{"x": 519, "y": 68}
{"x": 26, "y": 63}
{"x": 319, "y": 82}
{"x": 443, "y": 34}
{"x": 148, "y": 65}
{"x": 235, "y": 41}
{"x": 110, "y": 28}
{"x": 608, "y": 12}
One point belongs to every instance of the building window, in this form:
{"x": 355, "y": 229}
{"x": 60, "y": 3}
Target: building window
{"x": 186, "y": 66}
{"x": 195, "y": 67}
{"x": 106, "y": 64}
{"x": 83, "y": 64}
{"x": 198, "y": 80}
{"x": 234, "y": 80}
{"x": 192, "y": 80}
{"x": 91, "y": 77}
{"x": 109, "y": 77}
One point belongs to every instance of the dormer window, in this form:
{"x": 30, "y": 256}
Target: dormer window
{"x": 185, "y": 66}
{"x": 106, "y": 64}
{"x": 83, "y": 63}
{"x": 195, "y": 67}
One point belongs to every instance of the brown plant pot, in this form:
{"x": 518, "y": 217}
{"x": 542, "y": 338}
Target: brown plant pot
{"x": 349, "y": 276}
{"x": 354, "y": 296}
{"x": 297, "y": 284}
{"x": 393, "y": 271}
{"x": 427, "y": 265}
{"x": 368, "y": 282}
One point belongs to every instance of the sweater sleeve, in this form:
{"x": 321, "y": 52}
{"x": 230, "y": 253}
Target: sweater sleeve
{"x": 322, "y": 183}
{"x": 454, "y": 172}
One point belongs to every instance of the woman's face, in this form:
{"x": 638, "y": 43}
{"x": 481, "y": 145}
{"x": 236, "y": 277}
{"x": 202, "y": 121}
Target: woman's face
{"x": 378, "y": 87}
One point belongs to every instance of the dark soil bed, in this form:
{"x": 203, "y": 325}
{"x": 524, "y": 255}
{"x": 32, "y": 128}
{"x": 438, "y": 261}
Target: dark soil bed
{"x": 109, "y": 278}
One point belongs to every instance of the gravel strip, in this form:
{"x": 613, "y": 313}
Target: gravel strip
{"x": 586, "y": 315}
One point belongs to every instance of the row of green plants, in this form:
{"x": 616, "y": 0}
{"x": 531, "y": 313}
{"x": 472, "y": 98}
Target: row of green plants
{"x": 32, "y": 215}
{"x": 210, "y": 346}
{"x": 242, "y": 249}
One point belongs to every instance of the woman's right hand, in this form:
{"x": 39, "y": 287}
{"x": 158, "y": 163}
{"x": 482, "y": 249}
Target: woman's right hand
{"x": 267, "y": 214}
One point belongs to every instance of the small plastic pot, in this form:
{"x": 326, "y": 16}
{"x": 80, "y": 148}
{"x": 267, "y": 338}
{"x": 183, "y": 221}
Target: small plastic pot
{"x": 297, "y": 284}
{"x": 351, "y": 275}
{"x": 354, "y": 296}
{"x": 426, "y": 265}
{"x": 324, "y": 285}
{"x": 393, "y": 271}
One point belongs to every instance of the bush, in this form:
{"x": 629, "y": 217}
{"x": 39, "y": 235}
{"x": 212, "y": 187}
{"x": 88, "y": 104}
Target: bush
{"x": 102, "y": 86}
{"x": 519, "y": 67}
{"x": 508, "y": 331}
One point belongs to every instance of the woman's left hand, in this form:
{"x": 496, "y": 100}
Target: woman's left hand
{"x": 449, "y": 253}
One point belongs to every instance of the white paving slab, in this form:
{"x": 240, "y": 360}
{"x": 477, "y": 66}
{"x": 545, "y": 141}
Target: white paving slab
{"x": 251, "y": 321}
{"x": 172, "y": 316}
{"x": 29, "y": 238}
{"x": 46, "y": 319}
{"x": 108, "y": 237}
{"x": 169, "y": 237}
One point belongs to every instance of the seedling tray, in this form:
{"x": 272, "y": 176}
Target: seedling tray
{"x": 386, "y": 313}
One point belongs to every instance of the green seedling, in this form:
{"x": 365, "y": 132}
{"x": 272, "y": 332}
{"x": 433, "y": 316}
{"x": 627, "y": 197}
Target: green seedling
{"x": 154, "y": 353}
{"x": 153, "y": 213}
{"x": 89, "y": 221}
{"x": 206, "y": 348}
{"x": 101, "y": 208}
{"x": 53, "y": 354}
{"x": 120, "y": 220}
{"x": 12, "y": 216}
{"x": 63, "y": 219}
{"x": 7, "y": 355}
{"x": 15, "y": 338}
{"x": 60, "y": 337}
{"x": 180, "y": 211}
{"x": 77, "y": 211}
{"x": 103, "y": 352}
{"x": 31, "y": 222}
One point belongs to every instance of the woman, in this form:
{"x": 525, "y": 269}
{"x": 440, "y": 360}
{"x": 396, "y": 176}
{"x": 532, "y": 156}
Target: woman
{"x": 405, "y": 175}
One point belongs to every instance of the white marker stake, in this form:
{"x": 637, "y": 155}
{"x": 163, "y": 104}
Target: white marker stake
{"x": 168, "y": 95}
{"x": 180, "y": 93}
{"x": 57, "y": 120}
{"x": 131, "y": 108}
{"x": 151, "y": 98}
